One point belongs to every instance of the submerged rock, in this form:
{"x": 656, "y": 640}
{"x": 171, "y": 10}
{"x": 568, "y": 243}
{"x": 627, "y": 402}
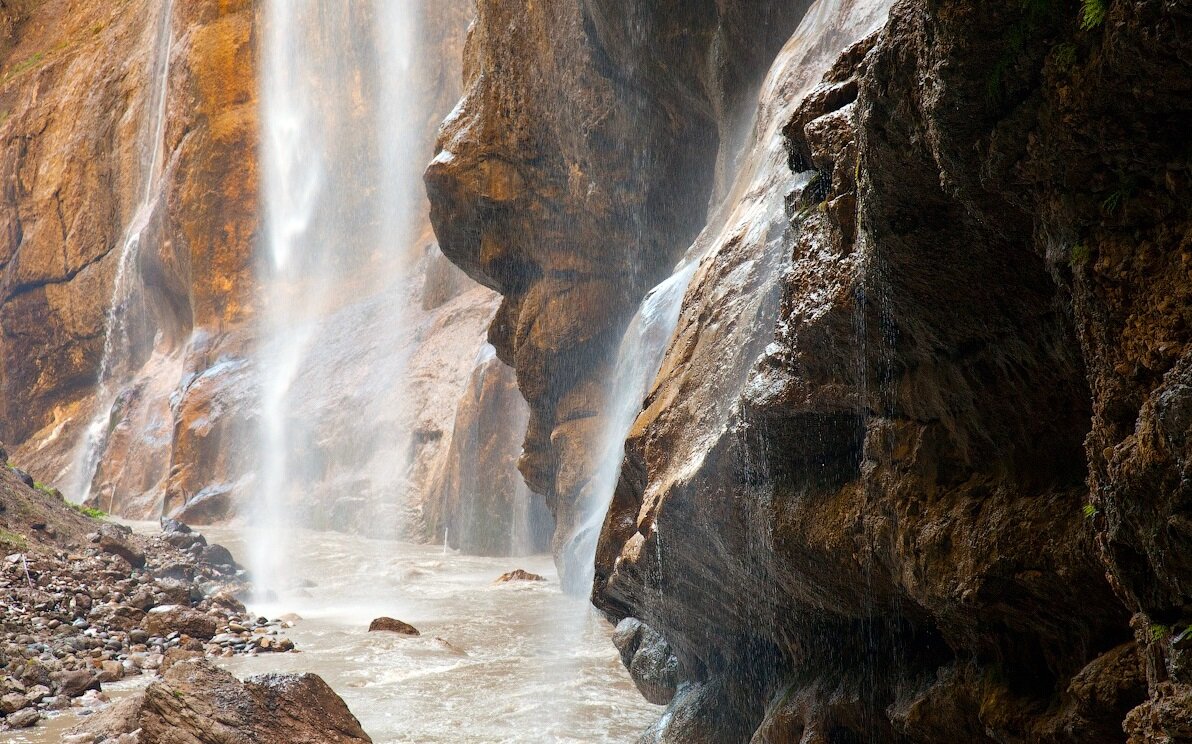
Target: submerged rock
{"x": 517, "y": 575}
{"x": 197, "y": 702}
{"x": 389, "y": 625}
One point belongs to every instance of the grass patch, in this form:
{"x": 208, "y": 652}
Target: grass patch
{"x": 89, "y": 511}
{"x": 12, "y": 539}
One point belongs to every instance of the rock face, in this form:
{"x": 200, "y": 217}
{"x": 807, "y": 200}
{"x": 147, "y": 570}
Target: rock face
{"x": 196, "y": 701}
{"x": 182, "y": 382}
{"x": 480, "y": 502}
{"x": 572, "y": 181}
{"x": 915, "y": 465}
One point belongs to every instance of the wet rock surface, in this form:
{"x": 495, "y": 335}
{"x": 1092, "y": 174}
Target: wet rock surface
{"x": 915, "y": 466}
{"x": 391, "y": 625}
{"x": 196, "y": 701}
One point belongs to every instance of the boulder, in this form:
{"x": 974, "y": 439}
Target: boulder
{"x": 23, "y": 718}
{"x": 12, "y": 702}
{"x": 518, "y": 575}
{"x": 195, "y": 701}
{"x": 161, "y": 621}
{"x": 389, "y": 625}
{"x": 218, "y": 555}
{"x": 74, "y": 684}
{"x": 114, "y": 539}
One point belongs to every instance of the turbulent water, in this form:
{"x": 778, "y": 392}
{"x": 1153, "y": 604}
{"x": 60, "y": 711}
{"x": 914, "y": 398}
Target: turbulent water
{"x": 536, "y": 665}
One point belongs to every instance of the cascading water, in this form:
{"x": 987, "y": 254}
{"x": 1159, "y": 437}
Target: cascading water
{"x": 753, "y": 203}
{"x": 341, "y": 195}
{"x": 118, "y": 343}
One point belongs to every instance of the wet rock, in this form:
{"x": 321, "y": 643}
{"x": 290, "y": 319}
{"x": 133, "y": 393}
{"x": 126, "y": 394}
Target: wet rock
{"x": 389, "y": 625}
{"x": 517, "y": 575}
{"x": 649, "y": 659}
{"x": 198, "y": 700}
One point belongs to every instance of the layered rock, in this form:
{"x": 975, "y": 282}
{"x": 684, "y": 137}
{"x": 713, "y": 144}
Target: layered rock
{"x": 479, "y": 502}
{"x": 940, "y": 402}
{"x": 574, "y": 174}
{"x": 197, "y": 701}
{"x": 929, "y": 382}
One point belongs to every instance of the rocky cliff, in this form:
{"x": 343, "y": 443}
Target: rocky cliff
{"x": 916, "y": 463}
{"x": 172, "y": 325}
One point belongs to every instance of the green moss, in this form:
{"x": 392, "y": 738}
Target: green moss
{"x": 1159, "y": 632}
{"x": 1090, "y": 511}
{"x": 1079, "y": 255}
{"x": 1092, "y": 13}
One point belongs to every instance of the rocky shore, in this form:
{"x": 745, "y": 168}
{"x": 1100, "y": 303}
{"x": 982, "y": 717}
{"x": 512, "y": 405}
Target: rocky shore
{"x": 87, "y": 602}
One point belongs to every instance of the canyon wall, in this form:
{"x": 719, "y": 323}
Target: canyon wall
{"x": 916, "y": 465}
{"x": 77, "y": 104}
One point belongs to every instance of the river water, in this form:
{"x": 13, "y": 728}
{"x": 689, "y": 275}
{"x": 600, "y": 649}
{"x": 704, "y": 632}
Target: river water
{"x": 517, "y": 662}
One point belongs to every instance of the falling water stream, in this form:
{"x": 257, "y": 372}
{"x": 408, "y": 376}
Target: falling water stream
{"x": 117, "y": 345}
{"x": 341, "y": 197}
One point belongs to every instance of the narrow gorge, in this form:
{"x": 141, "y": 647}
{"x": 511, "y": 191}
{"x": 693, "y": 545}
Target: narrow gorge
{"x": 696, "y": 372}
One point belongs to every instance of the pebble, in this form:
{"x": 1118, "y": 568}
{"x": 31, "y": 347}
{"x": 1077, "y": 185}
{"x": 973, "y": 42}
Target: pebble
{"x": 81, "y": 624}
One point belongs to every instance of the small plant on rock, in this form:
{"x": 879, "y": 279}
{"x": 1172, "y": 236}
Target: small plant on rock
{"x": 1092, "y": 13}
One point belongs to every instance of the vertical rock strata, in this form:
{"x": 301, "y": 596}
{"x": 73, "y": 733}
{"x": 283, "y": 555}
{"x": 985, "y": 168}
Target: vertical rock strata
{"x": 77, "y": 93}
{"x": 575, "y": 172}
{"x": 916, "y": 465}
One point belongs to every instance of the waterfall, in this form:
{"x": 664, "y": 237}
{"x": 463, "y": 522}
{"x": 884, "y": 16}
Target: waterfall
{"x": 751, "y": 203}
{"x": 341, "y": 195}
{"x": 118, "y": 341}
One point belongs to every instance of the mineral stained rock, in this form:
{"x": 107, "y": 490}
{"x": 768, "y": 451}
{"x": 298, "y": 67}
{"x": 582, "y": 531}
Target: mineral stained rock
{"x": 916, "y": 465}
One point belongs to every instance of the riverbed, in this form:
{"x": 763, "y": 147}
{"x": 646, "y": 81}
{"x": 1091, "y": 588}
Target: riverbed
{"x": 515, "y": 662}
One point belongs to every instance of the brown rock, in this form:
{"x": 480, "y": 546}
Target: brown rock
{"x": 197, "y": 701}
{"x": 517, "y": 575}
{"x": 117, "y": 540}
{"x": 163, "y": 620}
{"x": 392, "y": 626}
{"x": 74, "y": 684}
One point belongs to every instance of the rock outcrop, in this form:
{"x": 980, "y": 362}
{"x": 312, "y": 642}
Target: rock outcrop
{"x": 180, "y": 375}
{"x": 573, "y": 175}
{"x": 197, "y": 701}
{"x": 915, "y": 465}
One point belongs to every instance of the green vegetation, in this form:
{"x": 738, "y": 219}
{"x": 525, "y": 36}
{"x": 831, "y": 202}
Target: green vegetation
{"x": 13, "y": 540}
{"x": 1065, "y": 55}
{"x": 88, "y": 511}
{"x": 1092, "y": 13}
{"x": 1077, "y": 256}
{"x": 1090, "y": 511}
{"x": 1159, "y": 632}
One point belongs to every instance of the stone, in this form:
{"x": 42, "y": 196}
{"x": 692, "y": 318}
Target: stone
{"x": 12, "y": 702}
{"x": 389, "y": 625}
{"x": 196, "y": 700}
{"x": 517, "y": 575}
{"x": 73, "y": 684}
{"x": 218, "y": 555}
{"x": 23, "y": 718}
{"x": 166, "y": 619}
{"x": 116, "y": 541}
